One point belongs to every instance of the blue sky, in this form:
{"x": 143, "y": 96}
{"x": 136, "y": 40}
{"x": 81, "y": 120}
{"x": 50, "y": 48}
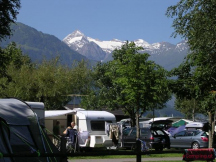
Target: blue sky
{"x": 101, "y": 19}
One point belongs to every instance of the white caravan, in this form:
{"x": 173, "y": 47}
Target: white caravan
{"x": 38, "y": 108}
{"x": 87, "y": 122}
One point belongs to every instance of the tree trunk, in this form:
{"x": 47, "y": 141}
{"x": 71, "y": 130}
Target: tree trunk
{"x": 211, "y": 128}
{"x": 194, "y": 107}
{"x": 137, "y": 126}
{"x": 133, "y": 122}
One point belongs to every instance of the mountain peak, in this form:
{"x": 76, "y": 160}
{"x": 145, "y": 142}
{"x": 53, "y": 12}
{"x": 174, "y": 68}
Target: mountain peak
{"x": 77, "y": 33}
{"x": 76, "y": 36}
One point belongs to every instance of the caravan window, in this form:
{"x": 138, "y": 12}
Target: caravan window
{"x": 98, "y": 125}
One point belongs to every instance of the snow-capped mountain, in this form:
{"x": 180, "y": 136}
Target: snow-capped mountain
{"x": 80, "y": 43}
{"x": 102, "y": 50}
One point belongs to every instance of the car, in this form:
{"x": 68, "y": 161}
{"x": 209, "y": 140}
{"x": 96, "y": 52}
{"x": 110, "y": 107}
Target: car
{"x": 189, "y": 139}
{"x": 155, "y": 138}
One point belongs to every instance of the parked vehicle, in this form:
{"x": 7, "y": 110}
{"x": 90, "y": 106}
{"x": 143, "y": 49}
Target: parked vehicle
{"x": 189, "y": 139}
{"x": 155, "y": 138}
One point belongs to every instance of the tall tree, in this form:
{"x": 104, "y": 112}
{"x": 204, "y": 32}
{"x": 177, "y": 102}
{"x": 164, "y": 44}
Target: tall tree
{"x": 188, "y": 107}
{"x": 130, "y": 82}
{"x": 48, "y": 82}
{"x": 14, "y": 55}
{"x": 195, "y": 20}
{"x": 185, "y": 89}
{"x": 8, "y": 12}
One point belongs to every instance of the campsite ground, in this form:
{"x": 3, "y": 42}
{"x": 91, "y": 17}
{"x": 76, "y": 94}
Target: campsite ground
{"x": 165, "y": 156}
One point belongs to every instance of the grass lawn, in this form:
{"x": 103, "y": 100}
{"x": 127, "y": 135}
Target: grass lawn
{"x": 132, "y": 156}
{"x": 127, "y": 156}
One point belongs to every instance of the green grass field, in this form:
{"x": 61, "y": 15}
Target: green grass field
{"x": 126, "y": 154}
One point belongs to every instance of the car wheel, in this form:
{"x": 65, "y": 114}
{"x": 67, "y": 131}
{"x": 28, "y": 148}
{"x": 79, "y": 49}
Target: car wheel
{"x": 195, "y": 145}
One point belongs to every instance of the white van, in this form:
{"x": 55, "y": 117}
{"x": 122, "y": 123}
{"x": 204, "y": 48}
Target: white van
{"x": 87, "y": 121}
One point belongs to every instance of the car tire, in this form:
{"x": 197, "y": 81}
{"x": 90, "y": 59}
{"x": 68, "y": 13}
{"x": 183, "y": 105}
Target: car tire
{"x": 195, "y": 145}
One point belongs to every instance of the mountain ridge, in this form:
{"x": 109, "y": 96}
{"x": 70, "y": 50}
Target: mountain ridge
{"x": 39, "y": 46}
{"x": 160, "y": 50}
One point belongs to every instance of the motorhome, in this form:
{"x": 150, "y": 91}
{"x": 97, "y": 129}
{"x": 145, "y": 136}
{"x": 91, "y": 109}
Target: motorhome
{"x": 87, "y": 121}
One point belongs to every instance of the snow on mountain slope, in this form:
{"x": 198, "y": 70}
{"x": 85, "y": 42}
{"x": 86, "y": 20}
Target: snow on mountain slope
{"x": 77, "y": 40}
{"x": 107, "y": 46}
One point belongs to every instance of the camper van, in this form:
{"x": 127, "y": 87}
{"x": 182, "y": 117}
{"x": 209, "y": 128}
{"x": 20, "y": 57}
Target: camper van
{"x": 87, "y": 122}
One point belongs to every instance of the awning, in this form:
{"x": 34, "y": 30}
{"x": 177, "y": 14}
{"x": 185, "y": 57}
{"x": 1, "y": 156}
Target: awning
{"x": 53, "y": 113}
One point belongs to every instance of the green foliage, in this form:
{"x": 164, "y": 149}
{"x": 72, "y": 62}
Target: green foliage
{"x": 9, "y": 10}
{"x": 129, "y": 82}
{"x": 48, "y": 82}
{"x": 186, "y": 91}
{"x": 52, "y": 84}
{"x": 189, "y": 107}
{"x": 11, "y": 55}
{"x": 195, "y": 21}
{"x": 150, "y": 115}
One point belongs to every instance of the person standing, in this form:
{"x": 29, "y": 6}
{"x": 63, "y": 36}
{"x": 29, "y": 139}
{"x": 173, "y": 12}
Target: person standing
{"x": 71, "y": 133}
{"x": 69, "y": 127}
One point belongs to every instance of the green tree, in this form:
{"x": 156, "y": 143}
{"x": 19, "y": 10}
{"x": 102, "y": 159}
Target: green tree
{"x": 11, "y": 55}
{"x": 150, "y": 115}
{"x": 195, "y": 22}
{"x": 188, "y": 107}
{"x": 48, "y": 82}
{"x": 53, "y": 83}
{"x": 185, "y": 89}
{"x": 8, "y": 12}
{"x": 130, "y": 82}
{"x": 82, "y": 77}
